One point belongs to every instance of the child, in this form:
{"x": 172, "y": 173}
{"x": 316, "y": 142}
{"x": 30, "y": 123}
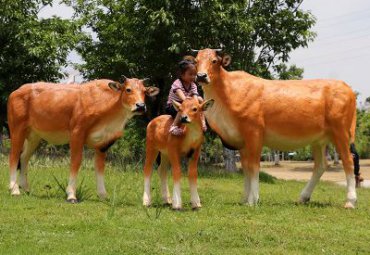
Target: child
{"x": 180, "y": 89}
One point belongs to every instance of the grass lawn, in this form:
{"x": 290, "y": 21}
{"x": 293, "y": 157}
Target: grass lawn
{"x": 43, "y": 223}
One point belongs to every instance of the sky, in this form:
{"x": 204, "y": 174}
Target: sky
{"x": 341, "y": 49}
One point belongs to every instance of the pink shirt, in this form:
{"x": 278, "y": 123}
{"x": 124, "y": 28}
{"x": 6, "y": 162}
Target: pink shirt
{"x": 191, "y": 91}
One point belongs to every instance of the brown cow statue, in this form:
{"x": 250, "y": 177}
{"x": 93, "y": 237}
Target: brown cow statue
{"x": 92, "y": 114}
{"x": 250, "y": 112}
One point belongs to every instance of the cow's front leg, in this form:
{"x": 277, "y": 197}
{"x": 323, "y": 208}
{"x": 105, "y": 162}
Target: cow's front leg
{"x": 99, "y": 172}
{"x": 250, "y": 159}
{"x": 176, "y": 174}
{"x": 193, "y": 177}
{"x": 76, "y": 145}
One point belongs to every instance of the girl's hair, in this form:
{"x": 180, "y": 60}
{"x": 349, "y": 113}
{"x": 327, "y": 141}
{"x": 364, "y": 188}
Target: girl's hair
{"x": 184, "y": 65}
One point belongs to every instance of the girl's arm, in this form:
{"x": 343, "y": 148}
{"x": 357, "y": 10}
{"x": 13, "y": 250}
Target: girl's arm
{"x": 180, "y": 94}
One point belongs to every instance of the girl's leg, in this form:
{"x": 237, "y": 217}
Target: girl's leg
{"x": 175, "y": 128}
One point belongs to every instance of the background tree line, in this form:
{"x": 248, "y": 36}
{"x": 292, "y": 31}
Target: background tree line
{"x": 147, "y": 38}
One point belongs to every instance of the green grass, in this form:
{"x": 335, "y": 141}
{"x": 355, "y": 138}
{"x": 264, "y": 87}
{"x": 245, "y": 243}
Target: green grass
{"x": 43, "y": 223}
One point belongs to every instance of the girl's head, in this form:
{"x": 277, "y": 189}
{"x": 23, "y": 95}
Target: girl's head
{"x": 187, "y": 71}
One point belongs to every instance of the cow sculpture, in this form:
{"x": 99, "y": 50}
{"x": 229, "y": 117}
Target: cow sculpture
{"x": 92, "y": 114}
{"x": 250, "y": 112}
{"x": 172, "y": 148}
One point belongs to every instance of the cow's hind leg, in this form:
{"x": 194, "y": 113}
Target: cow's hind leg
{"x": 99, "y": 172}
{"x": 162, "y": 171}
{"x": 341, "y": 142}
{"x": 18, "y": 137}
{"x": 150, "y": 157}
{"x": 319, "y": 169}
{"x": 30, "y": 145}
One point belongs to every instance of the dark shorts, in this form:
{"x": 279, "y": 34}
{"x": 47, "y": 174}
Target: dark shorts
{"x": 171, "y": 110}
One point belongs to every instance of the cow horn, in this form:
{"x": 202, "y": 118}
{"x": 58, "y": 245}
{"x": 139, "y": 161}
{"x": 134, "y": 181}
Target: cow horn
{"x": 194, "y": 51}
{"x": 122, "y": 79}
{"x": 218, "y": 50}
{"x": 145, "y": 80}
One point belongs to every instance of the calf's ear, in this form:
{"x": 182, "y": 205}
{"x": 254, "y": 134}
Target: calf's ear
{"x": 176, "y": 105}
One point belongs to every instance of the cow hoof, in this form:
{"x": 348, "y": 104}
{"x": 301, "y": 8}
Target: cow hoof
{"x": 349, "y": 205}
{"x": 15, "y": 191}
{"x": 304, "y": 200}
{"x": 178, "y": 209}
{"x": 196, "y": 208}
{"x": 103, "y": 196}
{"x": 72, "y": 200}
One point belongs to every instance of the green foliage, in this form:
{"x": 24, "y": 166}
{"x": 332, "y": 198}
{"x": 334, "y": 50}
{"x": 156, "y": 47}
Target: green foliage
{"x": 363, "y": 133}
{"x": 32, "y": 49}
{"x": 147, "y": 38}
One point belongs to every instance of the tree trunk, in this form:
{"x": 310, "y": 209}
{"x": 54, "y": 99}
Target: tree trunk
{"x": 276, "y": 158}
{"x": 336, "y": 158}
{"x": 230, "y": 160}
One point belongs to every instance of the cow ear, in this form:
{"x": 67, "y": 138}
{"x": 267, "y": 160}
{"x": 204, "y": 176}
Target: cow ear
{"x": 190, "y": 59}
{"x": 151, "y": 91}
{"x": 226, "y": 60}
{"x": 207, "y": 104}
{"x": 176, "y": 105}
{"x": 115, "y": 86}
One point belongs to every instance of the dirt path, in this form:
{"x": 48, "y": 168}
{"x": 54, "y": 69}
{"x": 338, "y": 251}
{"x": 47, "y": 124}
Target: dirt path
{"x": 297, "y": 170}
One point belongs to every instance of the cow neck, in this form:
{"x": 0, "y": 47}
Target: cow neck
{"x": 219, "y": 90}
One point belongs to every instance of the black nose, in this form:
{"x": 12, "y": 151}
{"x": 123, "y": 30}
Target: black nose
{"x": 201, "y": 76}
{"x": 140, "y": 107}
{"x": 184, "y": 119}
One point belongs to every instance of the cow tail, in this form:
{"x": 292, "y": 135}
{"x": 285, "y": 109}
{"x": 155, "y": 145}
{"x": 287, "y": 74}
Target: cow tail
{"x": 352, "y": 131}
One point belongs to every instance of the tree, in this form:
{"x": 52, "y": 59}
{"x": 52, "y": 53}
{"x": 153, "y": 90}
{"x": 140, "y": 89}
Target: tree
{"x": 147, "y": 38}
{"x": 32, "y": 49}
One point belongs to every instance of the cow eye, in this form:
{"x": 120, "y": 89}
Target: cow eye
{"x": 195, "y": 109}
{"x": 214, "y": 61}
{"x": 128, "y": 90}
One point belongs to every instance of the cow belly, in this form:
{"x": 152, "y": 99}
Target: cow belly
{"x": 55, "y": 137}
{"x": 105, "y": 133}
{"x": 281, "y": 142}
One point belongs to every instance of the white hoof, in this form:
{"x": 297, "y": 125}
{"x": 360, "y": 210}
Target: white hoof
{"x": 196, "y": 205}
{"x": 14, "y": 189}
{"x": 102, "y": 196}
{"x": 349, "y": 205}
{"x": 146, "y": 201}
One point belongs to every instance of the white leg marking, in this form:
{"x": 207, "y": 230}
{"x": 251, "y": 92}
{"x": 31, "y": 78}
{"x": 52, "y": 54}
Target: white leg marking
{"x": 102, "y": 193}
{"x": 253, "y": 195}
{"x": 176, "y": 203}
{"x": 319, "y": 169}
{"x": 195, "y": 200}
{"x": 13, "y": 186}
{"x": 146, "y": 196}
{"x": 247, "y": 187}
{"x": 71, "y": 188}
{"x": 162, "y": 171}
{"x": 351, "y": 192}
{"x": 310, "y": 186}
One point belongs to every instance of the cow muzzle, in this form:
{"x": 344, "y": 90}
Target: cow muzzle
{"x": 140, "y": 108}
{"x": 185, "y": 119}
{"x": 202, "y": 78}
